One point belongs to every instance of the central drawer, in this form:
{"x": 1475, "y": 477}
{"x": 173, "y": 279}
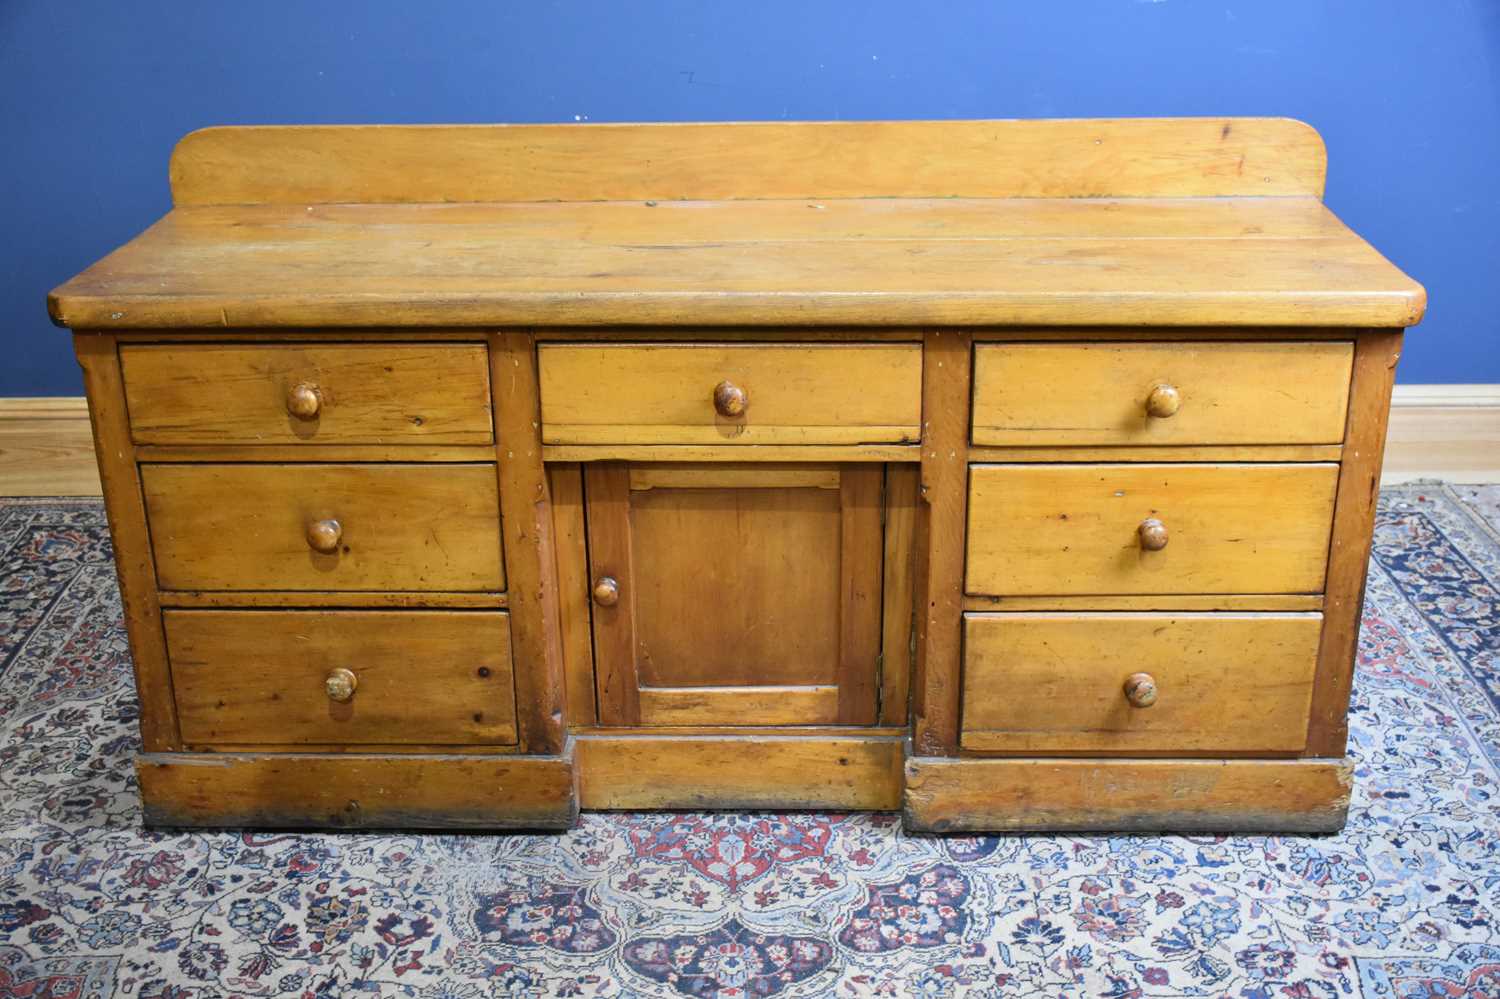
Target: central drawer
{"x": 1055, "y": 530}
{"x": 324, "y": 526}
{"x": 342, "y": 677}
{"x": 714, "y": 393}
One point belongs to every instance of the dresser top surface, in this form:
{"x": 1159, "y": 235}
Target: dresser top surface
{"x": 1124, "y": 222}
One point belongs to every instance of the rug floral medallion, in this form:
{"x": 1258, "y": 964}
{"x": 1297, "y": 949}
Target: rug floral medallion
{"x": 1402, "y": 904}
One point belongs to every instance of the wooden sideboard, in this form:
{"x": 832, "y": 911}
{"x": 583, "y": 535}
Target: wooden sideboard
{"x": 1017, "y": 474}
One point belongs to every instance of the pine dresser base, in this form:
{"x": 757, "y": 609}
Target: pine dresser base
{"x": 1014, "y": 475}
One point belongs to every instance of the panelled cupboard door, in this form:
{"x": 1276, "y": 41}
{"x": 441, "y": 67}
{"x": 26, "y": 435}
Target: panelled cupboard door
{"x": 725, "y": 595}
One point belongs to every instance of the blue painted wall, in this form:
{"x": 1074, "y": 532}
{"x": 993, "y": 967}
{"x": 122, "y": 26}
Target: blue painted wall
{"x": 1407, "y": 95}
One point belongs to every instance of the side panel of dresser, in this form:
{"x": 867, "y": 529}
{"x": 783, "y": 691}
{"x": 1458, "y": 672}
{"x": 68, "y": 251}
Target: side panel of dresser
{"x": 125, "y": 507}
{"x": 1376, "y": 353}
{"x": 341, "y": 785}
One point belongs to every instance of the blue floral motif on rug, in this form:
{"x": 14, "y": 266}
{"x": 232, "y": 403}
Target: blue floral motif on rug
{"x": 1402, "y": 904}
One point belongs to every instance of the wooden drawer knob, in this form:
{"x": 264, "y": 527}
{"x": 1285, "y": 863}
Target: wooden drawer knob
{"x": 606, "y": 591}
{"x": 340, "y": 684}
{"x": 1163, "y": 401}
{"x": 1140, "y": 690}
{"x": 1153, "y": 535}
{"x": 730, "y": 399}
{"x": 324, "y": 536}
{"x": 303, "y": 400}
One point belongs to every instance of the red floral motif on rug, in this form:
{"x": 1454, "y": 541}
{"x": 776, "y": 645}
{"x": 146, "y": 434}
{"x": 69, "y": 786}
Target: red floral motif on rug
{"x": 731, "y": 850}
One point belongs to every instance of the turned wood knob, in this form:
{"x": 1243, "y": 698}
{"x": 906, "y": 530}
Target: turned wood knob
{"x": 1140, "y": 690}
{"x": 730, "y": 399}
{"x": 1163, "y": 401}
{"x": 340, "y": 684}
{"x": 324, "y": 536}
{"x": 1153, "y": 534}
{"x": 303, "y": 400}
{"x": 606, "y": 591}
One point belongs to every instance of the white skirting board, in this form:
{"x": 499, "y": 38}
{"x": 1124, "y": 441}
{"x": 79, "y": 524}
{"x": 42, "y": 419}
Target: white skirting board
{"x": 47, "y": 448}
{"x": 1448, "y": 432}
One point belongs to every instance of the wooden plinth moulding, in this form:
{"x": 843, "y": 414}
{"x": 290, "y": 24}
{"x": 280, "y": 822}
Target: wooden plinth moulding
{"x": 1125, "y": 795}
{"x": 348, "y": 791}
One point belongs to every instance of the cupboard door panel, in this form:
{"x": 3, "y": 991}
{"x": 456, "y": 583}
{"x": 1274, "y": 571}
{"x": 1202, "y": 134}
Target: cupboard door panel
{"x": 736, "y": 596}
{"x": 779, "y": 705}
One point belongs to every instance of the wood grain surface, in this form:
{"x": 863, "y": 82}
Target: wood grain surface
{"x": 741, "y": 578}
{"x": 1205, "y": 796}
{"x": 1284, "y": 261}
{"x": 1073, "y": 529}
{"x": 1037, "y": 683}
{"x": 357, "y": 791}
{"x": 796, "y": 393}
{"x": 363, "y": 393}
{"x": 711, "y": 771}
{"x": 1078, "y": 394}
{"x": 1184, "y": 157}
{"x": 404, "y": 526}
{"x": 423, "y": 677}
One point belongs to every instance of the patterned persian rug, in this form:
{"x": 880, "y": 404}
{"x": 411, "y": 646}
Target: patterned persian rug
{"x": 1404, "y": 903}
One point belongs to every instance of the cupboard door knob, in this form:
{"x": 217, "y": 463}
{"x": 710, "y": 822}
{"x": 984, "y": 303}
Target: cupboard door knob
{"x": 730, "y": 399}
{"x": 1153, "y": 535}
{"x": 340, "y": 684}
{"x": 324, "y": 536}
{"x": 606, "y": 591}
{"x": 1163, "y": 401}
{"x": 303, "y": 400}
{"x": 1140, "y": 690}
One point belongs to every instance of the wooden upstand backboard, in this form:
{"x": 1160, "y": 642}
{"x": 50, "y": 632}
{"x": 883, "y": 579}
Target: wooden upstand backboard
{"x": 1016, "y": 474}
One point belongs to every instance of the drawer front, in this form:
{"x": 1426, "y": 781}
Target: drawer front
{"x": 836, "y": 393}
{"x": 1058, "y": 682}
{"x": 244, "y": 677}
{"x": 325, "y": 394}
{"x": 1061, "y": 394}
{"x": 324, "y": 527}
{"x": 1053, "y": 530}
